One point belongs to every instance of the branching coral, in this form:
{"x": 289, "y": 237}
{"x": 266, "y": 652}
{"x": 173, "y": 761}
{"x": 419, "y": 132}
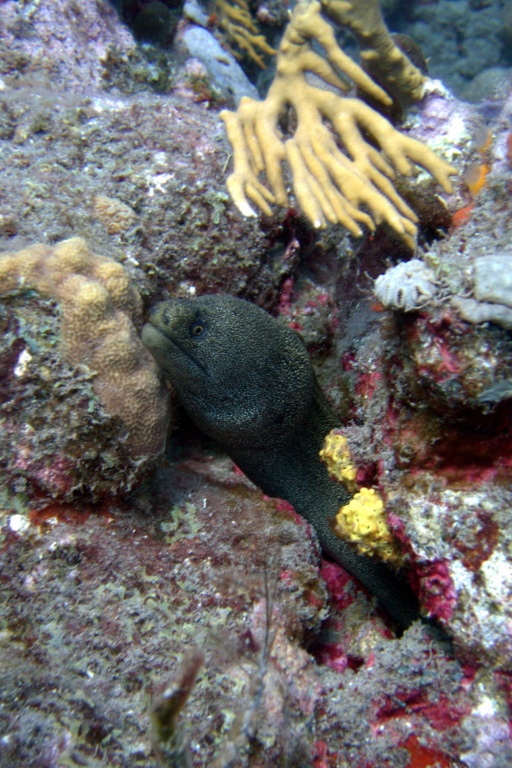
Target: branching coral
{"x": 382, "y": 58}
{"x": 350, "y": 187}
{"x": 100, "y": 311}
{"x": 235, "y": 20}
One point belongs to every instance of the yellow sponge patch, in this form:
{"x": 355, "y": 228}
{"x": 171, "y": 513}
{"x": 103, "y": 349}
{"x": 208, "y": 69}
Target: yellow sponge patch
{"x": 363, "y": 521}
{"x": 336, "y": 456}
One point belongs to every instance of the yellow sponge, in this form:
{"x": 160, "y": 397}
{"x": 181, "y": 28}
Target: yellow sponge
{"x": 336, "y": 456}
{"x": 363, "y": 521}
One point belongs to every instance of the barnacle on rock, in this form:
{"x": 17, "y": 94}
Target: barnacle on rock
{"x": 408, "y": 286}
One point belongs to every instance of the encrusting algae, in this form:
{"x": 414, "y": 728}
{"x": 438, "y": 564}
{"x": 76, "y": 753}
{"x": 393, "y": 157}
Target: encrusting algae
{"x": 353, "y": 187}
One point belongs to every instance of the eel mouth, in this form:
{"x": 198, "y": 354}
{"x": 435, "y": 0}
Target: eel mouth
{"x": 152, "y": 337}
{"x": 155, "y": 340}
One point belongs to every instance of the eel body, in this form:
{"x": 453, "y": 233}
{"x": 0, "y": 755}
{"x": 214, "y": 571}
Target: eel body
{"x": 246, "y": 380}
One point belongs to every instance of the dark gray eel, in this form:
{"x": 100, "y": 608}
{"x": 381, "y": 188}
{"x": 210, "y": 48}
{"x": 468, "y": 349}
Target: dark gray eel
{"x": 246, "y": 380}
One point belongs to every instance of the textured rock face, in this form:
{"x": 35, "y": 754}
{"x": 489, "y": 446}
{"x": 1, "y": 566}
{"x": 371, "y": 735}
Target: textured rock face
{"x": 100, "y": 317}
{"x": 63, "y": 42}
{"x": 141, "y": 178}
{"x": 223, "y": 70}
{"x": 100, "y": 603}
{"x": 109, "y": 604}
{"x": 440, "y": 389}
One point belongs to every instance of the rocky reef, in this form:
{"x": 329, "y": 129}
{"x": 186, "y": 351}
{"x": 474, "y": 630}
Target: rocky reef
{"x": 156, "y": 608}
{"x": 94, "y": 362}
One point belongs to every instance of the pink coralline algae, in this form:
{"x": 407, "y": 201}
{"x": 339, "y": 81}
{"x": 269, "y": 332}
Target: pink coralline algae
{"x": 437, "y": 592}
{"x": 57, "y": 478}
{"x": 454, "y": 365}
{"x": 431, "y": 578}
{"x": 337, "y": 581}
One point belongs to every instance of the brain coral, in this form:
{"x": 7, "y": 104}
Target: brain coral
{"x": 100, "y": 311}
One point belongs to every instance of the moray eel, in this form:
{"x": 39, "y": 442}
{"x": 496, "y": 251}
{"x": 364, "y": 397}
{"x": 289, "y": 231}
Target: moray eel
{"x": 246, "y": 381}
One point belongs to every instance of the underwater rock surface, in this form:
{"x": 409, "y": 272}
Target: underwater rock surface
{"x": 100, "y": 606}
{"x": 55, "y": 376}
{"x": 102, "y": 602}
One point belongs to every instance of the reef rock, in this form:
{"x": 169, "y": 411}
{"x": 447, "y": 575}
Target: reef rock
{"x": 95, "y": 410}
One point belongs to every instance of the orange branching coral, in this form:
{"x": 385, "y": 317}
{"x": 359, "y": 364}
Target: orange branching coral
{"x": 382, "y": 58}
{"x": 235, "y": 20}
{"x": 343, "y": 156}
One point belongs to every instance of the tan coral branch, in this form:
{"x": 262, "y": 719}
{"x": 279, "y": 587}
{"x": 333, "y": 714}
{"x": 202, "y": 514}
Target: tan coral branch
{"x": 241, "y": 30}
{"x": 382, "y": 57}
{"x": 337, "y": 175}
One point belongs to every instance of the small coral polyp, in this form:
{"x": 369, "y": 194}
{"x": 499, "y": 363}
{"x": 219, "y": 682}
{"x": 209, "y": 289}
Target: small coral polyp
{"x": 100, "y": 312}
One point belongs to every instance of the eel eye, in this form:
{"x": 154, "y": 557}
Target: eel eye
{"x": 197, "y": 329}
